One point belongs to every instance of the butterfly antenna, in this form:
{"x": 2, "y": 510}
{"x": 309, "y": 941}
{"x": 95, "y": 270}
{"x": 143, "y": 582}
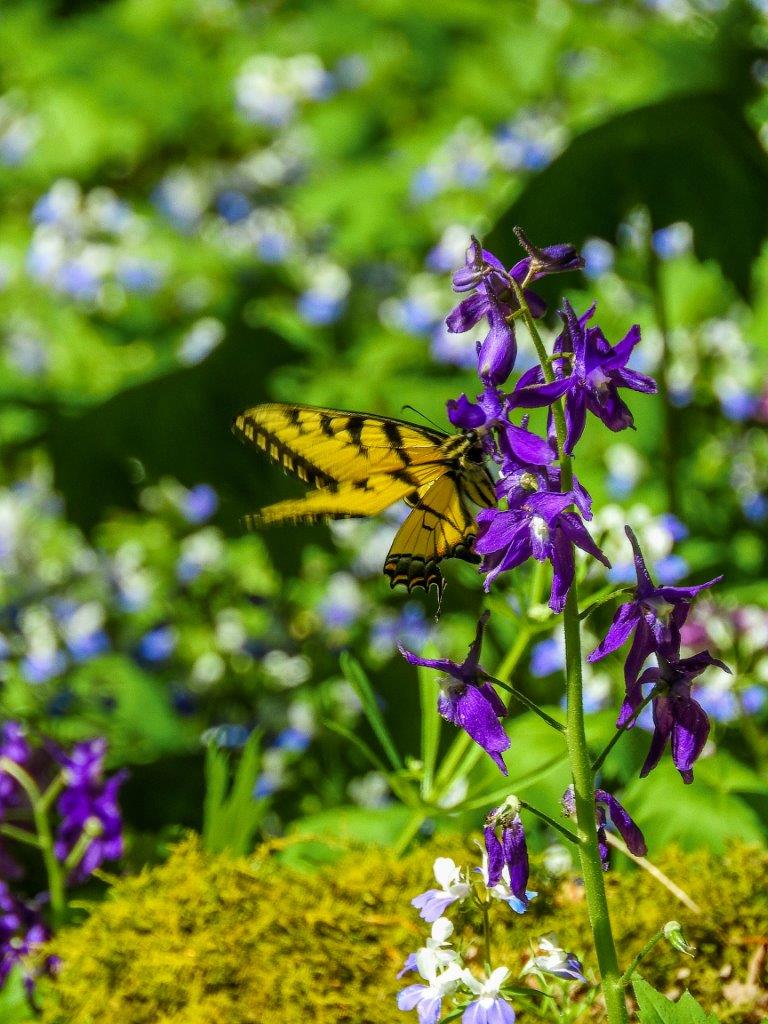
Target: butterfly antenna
{"x": 412, "y": 408}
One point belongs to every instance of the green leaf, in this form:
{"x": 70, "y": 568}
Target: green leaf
{"x": 14, "y": 1005}
{"x": 655, "y": 1008}
{"x": 232, "y": 818}
{"x": 354, "y": 672}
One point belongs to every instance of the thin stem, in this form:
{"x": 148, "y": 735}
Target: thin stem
{"x": 79, "y": 850}
{"x": 578, "y": 751}
{"x": 562, "y": 829}
{"x": 530, "y": 704}
{"x": 487, "y": 932}
{"x": 598, "y": 762}
{"x": 44, "y": 836}
{"x": 650, "y": 944}
{"x": 19, "y": 835}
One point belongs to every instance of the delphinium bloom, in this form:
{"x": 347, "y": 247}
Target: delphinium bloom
{"x": 510, "y": 850}
{"x": 433, "y": 903}
{"x": 607, "y": 806}
{"x": 502, "y": 889}
{"x": 21, "y": 931}
{"x": 589, "y": 373}
{"x": 655, "y": 617}
{"x": 677, "y": 716}
{"x": 467, "y": 699}
{"x": 490, "y": 1007}
{"x": 541, "y": 528}
{"x": 88, "y": 805}
{"x": 554, "y": 961}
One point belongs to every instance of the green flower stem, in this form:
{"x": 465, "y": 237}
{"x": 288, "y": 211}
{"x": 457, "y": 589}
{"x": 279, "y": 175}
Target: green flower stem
{"x": 19, "y": 835}
{"x": 78, "y": 851}
{"x": 44, "y": 838}
{"x": 650, "y": 945}
{"x": 578, "y": 751}
{"x": 530, "y": 704}
{"x": 597, "y": 764}
{"x": 562, "y": 829}
{"x": 487, "y": 931}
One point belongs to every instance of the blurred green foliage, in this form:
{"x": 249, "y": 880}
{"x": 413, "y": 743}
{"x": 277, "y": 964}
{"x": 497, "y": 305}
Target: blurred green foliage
{"x": 209, "y": 203}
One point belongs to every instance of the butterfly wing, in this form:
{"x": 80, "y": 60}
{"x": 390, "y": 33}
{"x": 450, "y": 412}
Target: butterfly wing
{"x": 440, "y": 526}
{"x": 324, "y": 447}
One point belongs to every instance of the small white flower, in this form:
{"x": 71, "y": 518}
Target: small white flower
{"x": 490, "y": 1007}
{"x": 453, "y": 888}
{"x": 555, "y": 961}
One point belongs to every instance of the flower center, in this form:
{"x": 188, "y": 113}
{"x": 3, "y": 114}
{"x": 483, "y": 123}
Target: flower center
{"x": 539, "y": 529}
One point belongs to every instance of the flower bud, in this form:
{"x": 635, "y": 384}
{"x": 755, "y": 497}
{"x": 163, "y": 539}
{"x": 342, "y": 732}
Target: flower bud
{"x": 673, "y": 933}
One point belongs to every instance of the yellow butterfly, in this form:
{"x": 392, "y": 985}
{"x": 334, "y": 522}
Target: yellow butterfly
{"x": 361, "y": 464}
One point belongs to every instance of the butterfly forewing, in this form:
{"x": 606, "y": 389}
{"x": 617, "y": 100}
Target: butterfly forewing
{"x": 360, "y": 464}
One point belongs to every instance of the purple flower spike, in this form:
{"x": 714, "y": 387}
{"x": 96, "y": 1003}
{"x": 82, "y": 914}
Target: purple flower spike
{"x": 540, "y": 527}
{"x": 655, "y": 616}
{"x": 552, "y": 259}
{"x": 89, "y": 806}
{"x": 510, "y": 851}
{"x": 589, "y": 375}
{"x": 677, "y": 716}
{"x": 607, "y": 806}
{"x": 467, "y": 699}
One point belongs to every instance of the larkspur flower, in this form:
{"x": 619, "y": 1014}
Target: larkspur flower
{"x": 490, "y": 1007}
{"x": 541, "y": 528}
{"x": 555, "y": 961}
{"x": 677, "y": 716}
{"x": 88, "y": 805}
{"x": 607, "y": 806}
{"x": 589, "y": 374}
{"x": 468, "y": 699}
{"x": 14, "y": 747}
{"x": 437, "y": 947}
{"x": 22, "y": 931}
{"x": 453, "y": 889}
{"x": 502, "y": 890}
{"x": 655, "y": 616}
{"x": 427, "y": 999}
{"x": 510, "y": 850}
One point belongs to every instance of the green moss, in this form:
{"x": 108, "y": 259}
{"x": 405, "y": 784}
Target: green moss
{"x": 208, "y": 940}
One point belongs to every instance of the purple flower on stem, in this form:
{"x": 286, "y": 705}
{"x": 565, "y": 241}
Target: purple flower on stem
{"x": 494, "y": 298}
{"x": 14, "y": 747}
{"x": 555, "y": 961}
{"x": 655, "y": 616}
{"x": 21, "y": 931}
{"x": 509, "y": 851}
{"x": 468, "y": 699}
{"x": 589, "y": 374}
{"x": 490, "y": 1007}
{"x": 438, "y": 946}
{"x": 540, "y": 528}
{"x": 552, "y": 259}
{"x": 677, "y": 716}
{"x": 433, "y": 903}
{"x": 608, "y": 807}
{"x": 89, "y": 809}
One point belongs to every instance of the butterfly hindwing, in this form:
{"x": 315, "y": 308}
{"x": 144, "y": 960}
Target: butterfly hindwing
{"x": 360, "y": 464}
{"x": 440, "y": 526}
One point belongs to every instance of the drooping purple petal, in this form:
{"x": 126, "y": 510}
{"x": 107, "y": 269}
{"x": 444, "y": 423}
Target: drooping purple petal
{"x": 477, "y": 717}
{"x": 624, "y": 622}
{"x": 516, "y": 857}
{"x": 495, "y": 855}
{"x": 626, "y": 827}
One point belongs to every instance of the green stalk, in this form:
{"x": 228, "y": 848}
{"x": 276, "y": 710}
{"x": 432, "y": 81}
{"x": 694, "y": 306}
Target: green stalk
{"x": 578, "y": 751}
{"x": 44, "y": 836}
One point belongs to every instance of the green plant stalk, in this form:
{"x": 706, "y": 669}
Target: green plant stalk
{"x": 566, "y": 832}
{"x": 600, "y": 759}
{"x": 40, "y": 806}
{"x": 650, "y": 945}
{"x": 578, "y": 751}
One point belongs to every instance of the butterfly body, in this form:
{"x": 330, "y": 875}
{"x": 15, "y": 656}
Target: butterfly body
{"x": 359, "y": 464}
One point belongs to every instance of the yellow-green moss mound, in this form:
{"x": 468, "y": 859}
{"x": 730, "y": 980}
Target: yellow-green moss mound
{"x": 209, "y": 940}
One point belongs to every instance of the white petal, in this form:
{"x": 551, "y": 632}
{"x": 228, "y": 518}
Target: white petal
{"x": 496, "y": 980}
{"x": 442, "y": 930}
{"x": 446, "y": 871}
{"x": 471, "y": 982}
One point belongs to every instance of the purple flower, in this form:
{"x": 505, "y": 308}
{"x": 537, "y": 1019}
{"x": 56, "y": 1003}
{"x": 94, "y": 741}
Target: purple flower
{"x": 552, "y": 259}
{"x": 89, "y": 806}
{"x": 438, "y": 946}
{"x": 510, "y": 850}
{"x": 490, "y": 1007}
{"x": 608, "y": 807}
{"x": 589, "y": 375}
{"x": 21, "y": 932}
{"x": 433, "y": 903}
{"x": 555, "y": 961}
{"x": 655, "y": 616}
{"x": 199, "y": 503}
{"x": 14, "y": 747}
{"x": 493, "y": 298}
{"x": 427, "y": 999}
{"x": 468, "y": 699}
{"x": 540, "y": 528}
{"x": 677, "y": 716}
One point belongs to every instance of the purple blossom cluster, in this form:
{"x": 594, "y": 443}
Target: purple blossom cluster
{"x": 88, "y": 830}
{"x": 542, "y": 506}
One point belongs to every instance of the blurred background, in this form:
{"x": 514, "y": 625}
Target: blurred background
{"x": 206, "y": 204}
